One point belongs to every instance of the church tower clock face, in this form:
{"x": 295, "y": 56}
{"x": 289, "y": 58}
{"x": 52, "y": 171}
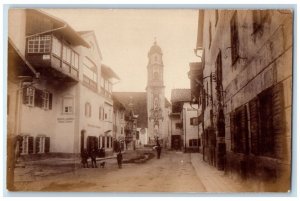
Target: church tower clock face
{"x": 155, "y": 92}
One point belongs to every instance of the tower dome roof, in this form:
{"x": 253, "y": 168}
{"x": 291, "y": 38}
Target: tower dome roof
{"x": 155, "y": 49}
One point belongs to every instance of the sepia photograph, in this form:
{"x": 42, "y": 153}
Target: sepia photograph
{"x": 149, "y": 100}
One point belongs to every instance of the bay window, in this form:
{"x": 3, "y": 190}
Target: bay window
{"x": 39, "y": 44}
{"x": 56, "y": 47}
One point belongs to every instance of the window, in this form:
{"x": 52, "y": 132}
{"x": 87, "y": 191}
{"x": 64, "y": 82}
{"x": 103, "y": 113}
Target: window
{"x": 37, "y": 98}
{"x": 42, "y": 144}
{"x": 56, "y": 46}
{"x": 87, "y": 110}
{"x": 105, "y": 116}
{"x": 259, "y": 18}
{"x": 121, "y": 130}
{"x": 26, "y": 144}
{"x": 266, "y": 121}
{"x": 75, "y": 60}
{"x": 194, "y": 121}
{"x": 239, "y": 130}
{"x": 66, "y": 54}
{"x": 178, "y": 125}
{"x": 68, "y": 105}
{"x": 234, "y": 38}
{"x": 39, "y": 44}
{"x": 28, "y": 96}
{"x": 193, "y": 142}
{"x": 89, "y": 73}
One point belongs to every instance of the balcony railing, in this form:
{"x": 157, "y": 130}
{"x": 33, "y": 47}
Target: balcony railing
{"x": 92, "y": 84}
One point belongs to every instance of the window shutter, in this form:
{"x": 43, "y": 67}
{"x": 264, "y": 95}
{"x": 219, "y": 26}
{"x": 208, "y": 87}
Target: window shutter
{"x": 280, "y": 148}
{"x": 278, "y": 109}
{"x": 20, "y": 139}
{"x": 25, "y": 97}
{"x": 96, "y": 142}
{"x": 38, "y": 98}
{"x": 30, "y": 145}
{"x": 103, "y": 141}
{"x": 89, "y": 144}
{"x": 244, "y": 129}
{"x": 50, "y": 101}
{"x": 47, "y": 144}
{"x": 254, "y": 125}
{"x": 232, "y": 130}
{"x": 37, "y": 144}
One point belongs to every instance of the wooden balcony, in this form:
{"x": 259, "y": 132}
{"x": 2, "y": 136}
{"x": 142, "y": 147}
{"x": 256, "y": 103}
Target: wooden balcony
{"x": 51, "y": 62}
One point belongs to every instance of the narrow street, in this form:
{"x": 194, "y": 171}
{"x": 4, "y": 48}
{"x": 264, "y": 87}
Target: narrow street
{"x": 174, "y": 172}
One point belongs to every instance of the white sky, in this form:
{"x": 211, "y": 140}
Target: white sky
{"x": 125, "y": 37}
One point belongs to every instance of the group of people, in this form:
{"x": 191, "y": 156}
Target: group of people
{"x": 85, "y": 155}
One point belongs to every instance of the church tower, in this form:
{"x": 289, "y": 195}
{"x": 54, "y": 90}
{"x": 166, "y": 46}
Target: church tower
{"x": 155, "y": 94}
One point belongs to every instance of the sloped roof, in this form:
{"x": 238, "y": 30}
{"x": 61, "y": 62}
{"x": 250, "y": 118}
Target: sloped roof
{"x": 180, "y": 95}
{"x": 139, "y": 100}
{"x": 61, "y": 27}
{"x": 109, "y": 72}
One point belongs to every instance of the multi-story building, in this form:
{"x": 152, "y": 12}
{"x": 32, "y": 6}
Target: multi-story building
{"x": 119, "y": 124}
{"x": 247, "y": 86}
{"x": 184, "y": 121}
{"x": 135, "y": 104}
{"x": 56, "y": 85}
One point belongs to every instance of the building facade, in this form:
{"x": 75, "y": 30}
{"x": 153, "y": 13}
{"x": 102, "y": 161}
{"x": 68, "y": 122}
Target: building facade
{"x": 247, "y": 86}
{"x": 57, "y": 86}
{"x": 184, "y": 118}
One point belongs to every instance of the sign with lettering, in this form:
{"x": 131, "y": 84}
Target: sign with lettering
{"x": 65, "y": 119}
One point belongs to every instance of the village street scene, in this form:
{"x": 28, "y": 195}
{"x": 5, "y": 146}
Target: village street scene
{"x": 125, "y": 100}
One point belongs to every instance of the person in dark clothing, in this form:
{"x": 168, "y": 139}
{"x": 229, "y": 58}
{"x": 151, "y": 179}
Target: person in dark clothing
{"x": 119, "y": 159}
{"x": 93, "y": 157}
{"x": 158, "y": 149}
{"x": 84, "y": 158}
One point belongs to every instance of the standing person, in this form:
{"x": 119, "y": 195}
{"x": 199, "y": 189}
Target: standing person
{"x": 158, "y": 149}
{"x": 119, "y": 159}
{"x": 93, "y": 158}
{"x": 84, "y": 158}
